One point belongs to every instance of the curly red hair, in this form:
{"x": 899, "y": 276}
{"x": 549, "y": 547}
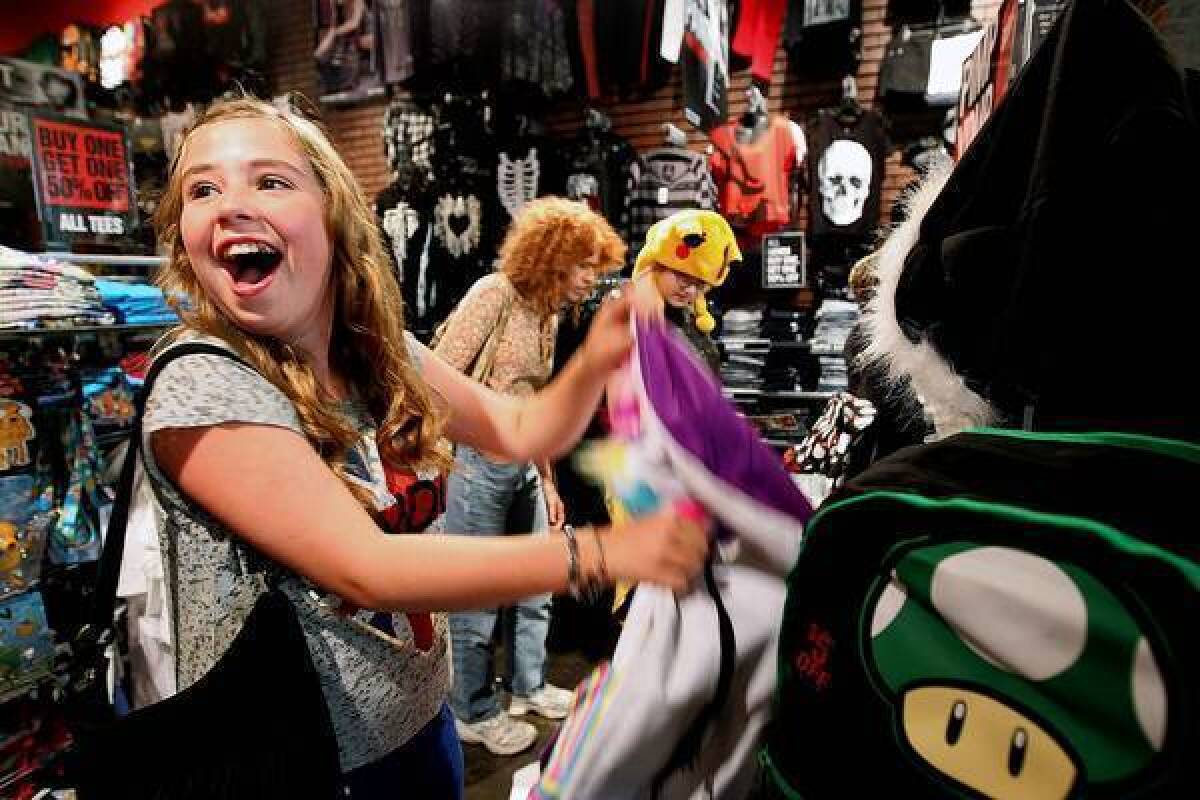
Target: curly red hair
{"x": 548, "y": 238}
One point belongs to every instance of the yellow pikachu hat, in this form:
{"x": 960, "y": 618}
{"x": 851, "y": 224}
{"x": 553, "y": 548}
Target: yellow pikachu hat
{"x": 696, "y": 243}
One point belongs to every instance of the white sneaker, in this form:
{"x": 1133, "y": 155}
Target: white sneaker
{"x": 549, "y": 701}
{"x": 501, "y": 735}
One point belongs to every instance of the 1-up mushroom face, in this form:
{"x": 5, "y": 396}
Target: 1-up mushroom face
{"x": 1014, "y": 675}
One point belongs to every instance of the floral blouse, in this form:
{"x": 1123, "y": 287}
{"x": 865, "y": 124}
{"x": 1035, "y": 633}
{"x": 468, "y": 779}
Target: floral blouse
{"x": 525, "y": 352}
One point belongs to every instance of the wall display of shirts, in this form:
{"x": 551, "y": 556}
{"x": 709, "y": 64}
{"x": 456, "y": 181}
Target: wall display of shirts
{"x": 442, "y": 227}
{"x": 824, "y": 37}
{"x": 784, "y": 261}
{"x": 752, "y": 168}
{"x": 666, "y": 180}
{"x": 847, "y": 154}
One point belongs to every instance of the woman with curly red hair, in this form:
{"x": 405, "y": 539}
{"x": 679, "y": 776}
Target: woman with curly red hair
{"x": 549, "y": 260}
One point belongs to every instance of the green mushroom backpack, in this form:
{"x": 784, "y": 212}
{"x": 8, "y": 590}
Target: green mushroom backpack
{"x": 999, "y": 614}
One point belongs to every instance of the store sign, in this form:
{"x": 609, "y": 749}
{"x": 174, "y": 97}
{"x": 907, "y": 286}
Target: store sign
{"x": 784, "y": 261}
{"x": 26, "y": 83}
{"x": 82, "y": 179}
{"x": 986, "y": 74}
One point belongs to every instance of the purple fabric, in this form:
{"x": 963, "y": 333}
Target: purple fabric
{"x": 689, "y": 403}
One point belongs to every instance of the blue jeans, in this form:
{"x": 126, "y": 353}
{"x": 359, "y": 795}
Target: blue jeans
{"x": 428, "y": 765}
{"x": 486, "y": 498}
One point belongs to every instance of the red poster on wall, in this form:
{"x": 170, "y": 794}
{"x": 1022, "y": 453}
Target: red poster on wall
{"x": 82, "y": 179}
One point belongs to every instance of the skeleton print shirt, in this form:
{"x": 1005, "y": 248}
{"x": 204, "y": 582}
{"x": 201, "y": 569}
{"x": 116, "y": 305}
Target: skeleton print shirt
{"x": 384, "y": 675}
{"x": 846, "y": 166}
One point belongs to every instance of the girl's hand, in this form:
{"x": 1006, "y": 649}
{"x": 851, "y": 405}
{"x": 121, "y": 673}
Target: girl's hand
{"x": 609, "y": 338}
{"x": 665, "y": 548}
{"x": 648, "y": 303}
{"x": 556, "y": 512}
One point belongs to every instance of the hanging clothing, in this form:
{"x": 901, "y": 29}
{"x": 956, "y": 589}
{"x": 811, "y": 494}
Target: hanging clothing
{"x": 655, "y": 71}
{"x": 614, "y": 46}
{"x": 408, "y": 135}
{"x": 846, "y": 170}
{"x": 405, "y": 213}
{"x": 705, "y": 60}
{"x": 534, "y": 46}
{"x": 754, "y": 178}
{"x": 517, "y": 180}
{"x": 599, "y": 168}
{"x": 824, "y": 37}
{"x": 671, "y": 38}
{"x": 464, "y": 40}
{"x": 466, "y": 227}
{"x": 904, "y": 74}
{"x": 666, "y": 180}
{"x": 757, "y": 36}
{"x": 396, "y": 40}
{"x": 580, "y": 21}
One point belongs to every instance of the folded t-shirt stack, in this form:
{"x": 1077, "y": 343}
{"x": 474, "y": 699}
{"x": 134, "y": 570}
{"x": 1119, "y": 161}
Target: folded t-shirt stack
{"x": 741, "y": 368}
{"x": 136, "y": 303}
{"x": 742, "y": 322}
{"x": 835, "y": 320}
{"x": 41, "y": 292}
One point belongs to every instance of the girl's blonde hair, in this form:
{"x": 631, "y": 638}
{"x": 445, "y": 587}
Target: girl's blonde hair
{"x": 549, "y": 237}
{"x": 368, "y": 345}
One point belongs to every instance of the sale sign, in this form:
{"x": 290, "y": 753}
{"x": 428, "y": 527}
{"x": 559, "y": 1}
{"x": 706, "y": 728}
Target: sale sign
{"x": 82, "y": 179}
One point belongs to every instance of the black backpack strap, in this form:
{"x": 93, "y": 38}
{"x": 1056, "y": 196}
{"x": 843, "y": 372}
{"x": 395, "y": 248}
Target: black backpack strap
{"x": 97, "y": 633}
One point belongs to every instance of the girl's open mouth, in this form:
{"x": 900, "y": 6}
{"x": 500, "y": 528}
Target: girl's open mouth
{"x": 250, "y": 263}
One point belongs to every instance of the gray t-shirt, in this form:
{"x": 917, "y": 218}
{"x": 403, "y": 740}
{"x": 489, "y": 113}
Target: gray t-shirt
{"x": 380, "y": 687}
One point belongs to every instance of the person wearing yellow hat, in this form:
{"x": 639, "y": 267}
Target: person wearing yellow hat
{"x": 684, "y": 256}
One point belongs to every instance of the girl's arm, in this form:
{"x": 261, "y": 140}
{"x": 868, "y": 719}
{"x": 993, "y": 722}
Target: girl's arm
{"x": 550, "y": 422}
{"x": 268, "y": 486}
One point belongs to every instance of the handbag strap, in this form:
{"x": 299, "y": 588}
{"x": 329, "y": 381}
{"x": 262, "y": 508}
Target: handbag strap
{"x": 487, "y": 353}
{"x": 104, "y": 598}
